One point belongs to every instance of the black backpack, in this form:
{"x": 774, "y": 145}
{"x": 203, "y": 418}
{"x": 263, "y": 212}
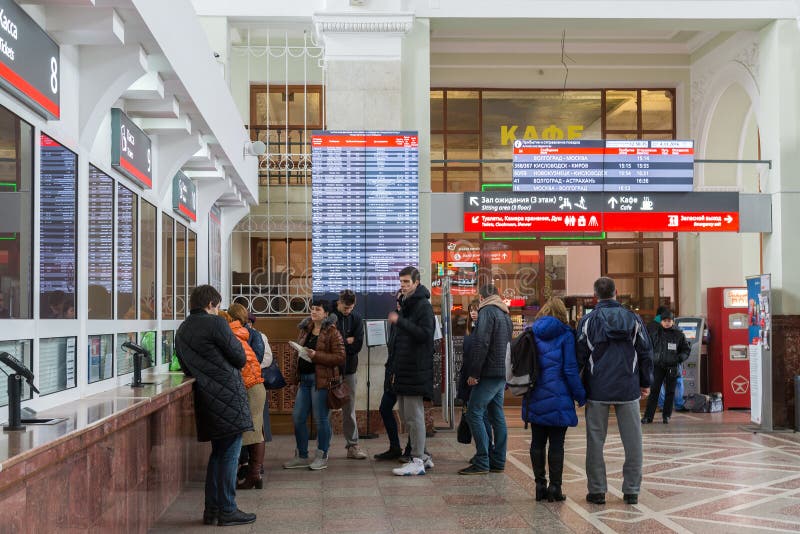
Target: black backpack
{"x": 522, "y": 365}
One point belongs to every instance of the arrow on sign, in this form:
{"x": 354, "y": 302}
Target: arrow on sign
{"x": 612, "y": 202}
{"x": 728, "y": 219}
{"x": 473, "y": 201}
{"x": 476, "y": 219}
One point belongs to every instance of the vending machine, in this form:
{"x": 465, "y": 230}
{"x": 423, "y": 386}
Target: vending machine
{"x": 729, "y": 366}
{"x": 692, "y": 328}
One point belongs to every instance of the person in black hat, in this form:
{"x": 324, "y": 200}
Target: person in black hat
{"x": 670, "y": 349}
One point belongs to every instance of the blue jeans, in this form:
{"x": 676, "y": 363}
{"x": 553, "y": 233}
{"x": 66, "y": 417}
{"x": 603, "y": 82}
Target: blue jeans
{"x": 221, "y": 474}
{"x": 308, "y": 398}
{"x": 486, "y": 405}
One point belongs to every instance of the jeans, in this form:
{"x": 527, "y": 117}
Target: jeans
{"x": 486, "y": 402}
{"x": 221, "y": 474}
{"x": 308, "y": 398}
{"x": 386, "y": 410}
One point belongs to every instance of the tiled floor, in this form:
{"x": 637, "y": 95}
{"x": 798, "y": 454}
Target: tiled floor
{"x": 702, "y": 474}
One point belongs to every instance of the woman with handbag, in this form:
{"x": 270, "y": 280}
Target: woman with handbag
{"x": 256, "y": 395}
{"x": 550, "y": 406}
{"x": 320, "y": 355}
{"x": 464, "y": 389}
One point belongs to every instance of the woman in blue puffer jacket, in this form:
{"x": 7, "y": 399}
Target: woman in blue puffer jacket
{"x": 550, "y": 406}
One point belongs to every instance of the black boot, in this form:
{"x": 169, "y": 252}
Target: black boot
{"x": 555, "y": 464}
{"x": 537, "y": 462}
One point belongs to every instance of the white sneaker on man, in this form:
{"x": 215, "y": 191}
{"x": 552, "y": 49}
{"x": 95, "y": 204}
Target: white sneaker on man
{"x": 414, "y": 467}
{"x": 428, "y": 462}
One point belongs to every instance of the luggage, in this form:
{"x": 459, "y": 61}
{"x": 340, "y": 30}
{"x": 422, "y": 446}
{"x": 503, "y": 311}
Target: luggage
{"x": 715, "y": 404}
{"x": 697, "y": 403}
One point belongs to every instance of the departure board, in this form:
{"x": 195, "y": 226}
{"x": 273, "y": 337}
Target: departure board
{"x": 542, "y": 165}
{"x": 101, "y": 244}
{"x": 651, "y": 166}
{"x": 58, "y": 246}
{"x": 126, "y": 252}
{"x": 612, "y": 166}
{"x": 364, "y": 209}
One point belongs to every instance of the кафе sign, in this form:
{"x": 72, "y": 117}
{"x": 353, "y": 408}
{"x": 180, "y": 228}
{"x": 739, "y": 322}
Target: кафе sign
{"x": 29, "y": 61}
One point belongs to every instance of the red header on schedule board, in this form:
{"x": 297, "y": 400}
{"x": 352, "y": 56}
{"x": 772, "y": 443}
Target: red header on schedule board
{"x": 388, "y": 141}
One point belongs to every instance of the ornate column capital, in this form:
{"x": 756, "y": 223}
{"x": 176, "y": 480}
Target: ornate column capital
{"x": 354, "y": 35}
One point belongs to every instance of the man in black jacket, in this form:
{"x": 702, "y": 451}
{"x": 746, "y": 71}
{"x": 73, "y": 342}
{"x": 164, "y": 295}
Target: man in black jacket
{"x": 350, "y": 326}
{"x": 670, "y": 349}
{"x": 487, "y": 376}
{"x": 209, "y": 352}
{"x": 411, "y": 348}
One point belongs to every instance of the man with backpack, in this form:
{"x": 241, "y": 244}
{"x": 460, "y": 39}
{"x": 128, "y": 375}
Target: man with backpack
{"x": 487, "y": 375}
{"x": 616, "y": 358}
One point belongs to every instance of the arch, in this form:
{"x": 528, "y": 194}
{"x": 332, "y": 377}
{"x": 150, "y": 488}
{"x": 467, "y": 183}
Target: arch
{"x": 734, "y": 75}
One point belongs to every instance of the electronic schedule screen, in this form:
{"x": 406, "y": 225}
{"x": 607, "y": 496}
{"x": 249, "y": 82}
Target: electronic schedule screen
{"x": 603, "y": 165}
{"x": 364, "y": 210}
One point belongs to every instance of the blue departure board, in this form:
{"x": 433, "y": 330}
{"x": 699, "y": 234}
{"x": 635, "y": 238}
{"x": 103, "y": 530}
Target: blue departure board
{"x": 603, "y": 165}
{"x": 364, "y": 210}
{"x": 58, "y": 245}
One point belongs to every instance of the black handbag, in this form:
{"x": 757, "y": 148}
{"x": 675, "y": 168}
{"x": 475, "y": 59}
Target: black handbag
{"x": 273, "y": 378}
{"x": 464, "y": 434}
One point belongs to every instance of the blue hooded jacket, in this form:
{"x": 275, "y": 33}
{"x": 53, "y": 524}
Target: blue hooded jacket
{"x": 551, "y": 402}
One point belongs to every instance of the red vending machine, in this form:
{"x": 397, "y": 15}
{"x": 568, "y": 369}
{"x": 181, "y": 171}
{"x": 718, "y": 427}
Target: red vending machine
{"x": 729, "y": 366}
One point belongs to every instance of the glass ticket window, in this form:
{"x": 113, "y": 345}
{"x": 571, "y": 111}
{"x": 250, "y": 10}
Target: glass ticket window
{"x": 57, "y": 363}
{"x": 16, "y": 226}
{"x": 101, "y": 357}
{"x": 21, "y": 350}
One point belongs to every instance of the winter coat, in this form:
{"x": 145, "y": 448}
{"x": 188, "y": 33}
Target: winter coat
{"x": 329, "y": 354}
{"x": 490, "y": 340}
{"x": 615, "y": 353}
{"x": 558, "y": 385}
{"x": 350, "y": 326}
{"x": 256, "y": 342}
{"x": 209, "y": 352}
{"x": 411, "y": 345}
{"x": 251, "y": 372}
{"x": 670, "y": 347}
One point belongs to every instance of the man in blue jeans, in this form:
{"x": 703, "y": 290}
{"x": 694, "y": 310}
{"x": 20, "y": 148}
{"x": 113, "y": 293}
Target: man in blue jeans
{"x": 487, "y": 376}
{"x": 209, "y": 352}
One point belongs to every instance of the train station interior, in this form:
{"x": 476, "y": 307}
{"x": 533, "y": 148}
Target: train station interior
{"x": 284, "y": 152}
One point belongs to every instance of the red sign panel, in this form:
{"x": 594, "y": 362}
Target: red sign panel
{"x": 670, "y": 222}
{"x": 532, "y": 222}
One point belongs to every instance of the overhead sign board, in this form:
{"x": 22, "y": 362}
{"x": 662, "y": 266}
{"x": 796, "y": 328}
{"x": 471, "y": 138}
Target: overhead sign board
{"x": 671, "y": 212}
{"x": 184, "y": 197}
{"x": 598, "y": 165}
{"x": 30, "y": 61}
{"x": 131, "y": 151}
{"x": 518, "y": 211}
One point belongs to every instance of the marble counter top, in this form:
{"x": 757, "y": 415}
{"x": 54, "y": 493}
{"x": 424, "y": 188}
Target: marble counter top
{"x": 85, "y": 421}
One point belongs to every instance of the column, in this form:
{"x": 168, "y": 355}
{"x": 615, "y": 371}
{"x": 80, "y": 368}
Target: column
{"x": 779, "y": 127}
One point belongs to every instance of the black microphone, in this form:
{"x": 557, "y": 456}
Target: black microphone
{"x": 19, "y": 368}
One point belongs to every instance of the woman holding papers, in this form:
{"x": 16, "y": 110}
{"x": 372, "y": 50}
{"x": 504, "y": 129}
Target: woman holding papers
{"x": 320, "y": 351}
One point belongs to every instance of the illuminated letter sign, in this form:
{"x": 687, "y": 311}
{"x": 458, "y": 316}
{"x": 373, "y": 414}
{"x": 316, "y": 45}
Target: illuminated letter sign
{"x": 29, "y": 61}
{"x": 130, "y": 149}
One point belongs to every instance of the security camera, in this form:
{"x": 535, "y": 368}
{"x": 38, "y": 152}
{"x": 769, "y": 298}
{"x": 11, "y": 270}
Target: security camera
{"x": 255, "y": 148}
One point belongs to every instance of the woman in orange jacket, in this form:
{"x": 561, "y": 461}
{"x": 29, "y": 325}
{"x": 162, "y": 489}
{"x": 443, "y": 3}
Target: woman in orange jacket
{"x": 256, "y": 397}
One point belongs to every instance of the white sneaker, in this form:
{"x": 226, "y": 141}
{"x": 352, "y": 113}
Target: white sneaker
{"x": 414, "y": 467}
{"x": 320, "y": 461}
{"x": 428, "y": 462}
{"x": 354, "y": 452}
{"x": 296, "y": 463}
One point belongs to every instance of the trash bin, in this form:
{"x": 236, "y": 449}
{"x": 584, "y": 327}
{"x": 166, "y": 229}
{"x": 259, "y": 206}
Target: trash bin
{"x": 797, "y": 403}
